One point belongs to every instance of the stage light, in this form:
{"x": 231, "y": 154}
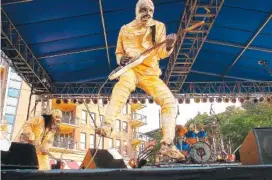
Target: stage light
{"x": 105, "y": 101}
{"x": 65, "y": 101}
{"x": 187, "y": 100}
{"x": 143, "y": 100}
{"x": 180, "y": 100}
{"x": 211, "y": 100}
{"x": 204, "y": 100}
{"x": 241, "y": 100}
{"x": 58, "y": 101}
{"x": 74, "y": 101}
{"x": 255, "y": 100}
{"x": 219, "y": 100}
{"x": 233, "y": 100}
{"x": 268, "y": 99}
{"x": 80, "y": 101}
{"x": 151, "y": 101}
{"x": 261, "y": 99}
{"x": 247, "y": 98}
{"x": 134, "y": 101}
{"x": 88, "y": 101}
{"x": 197, "y": 100}
{"x": 226, "y": 100}
{"x": 95, "y": 101}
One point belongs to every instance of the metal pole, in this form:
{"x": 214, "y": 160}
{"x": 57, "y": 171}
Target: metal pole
{"x": 30, "y": 97}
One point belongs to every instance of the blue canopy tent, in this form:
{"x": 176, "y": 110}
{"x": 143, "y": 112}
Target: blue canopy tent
{"x": 68, "y": 47}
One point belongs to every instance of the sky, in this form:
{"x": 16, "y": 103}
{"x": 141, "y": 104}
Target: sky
{"x": 187, "y": 111}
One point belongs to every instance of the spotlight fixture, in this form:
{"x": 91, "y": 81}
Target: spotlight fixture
{"x": 197, "y": 100}
{"x": 247, "y": 98}
{"x": 226, "y": 100}
{"x": 143, "y": 100}
{"x": 80, "y": 101}
{"x": 134, "y": 101}
{"x": 74, "y": 101}
{"x": 180, "y": 100}
{"x": 241, "y": 100}
{"x": 95, "y": 101}
{"x": 65, "y": 101}
{"x": 58, "y": 101}
{"x": 219, "y": 100}
{"x": 255, "y": 100}
{"x": 105, "y": 101}
{"x": 233, "y": 100}
{"x": 204, "y": 100}
{"x": 88, "y": 101}
{"x": 211, "y": 100}
{"x": 261, "y": 99}
{"x": 187, "y": 100}
{"x": 268, "y": 99}
{"x": 151, "y": 101}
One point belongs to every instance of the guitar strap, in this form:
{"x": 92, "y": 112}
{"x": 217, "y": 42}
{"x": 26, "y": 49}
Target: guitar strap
{"x": 153, "y": 33}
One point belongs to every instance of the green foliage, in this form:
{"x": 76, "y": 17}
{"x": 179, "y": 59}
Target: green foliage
{"x": 235, "y": 123}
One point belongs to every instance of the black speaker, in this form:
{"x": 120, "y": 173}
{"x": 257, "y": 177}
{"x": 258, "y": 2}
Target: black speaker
{"x": 102, "y": 159}
{"x": 20, "y": 156}
{"x": 257, "y": 147}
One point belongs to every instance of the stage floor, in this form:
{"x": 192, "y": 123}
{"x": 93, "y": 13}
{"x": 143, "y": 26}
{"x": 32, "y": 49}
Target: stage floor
{"x": 172, "y": 172}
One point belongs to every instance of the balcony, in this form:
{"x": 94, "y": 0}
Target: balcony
{"x": 138, "y": 120}
{"x": 138, "y": 138}
{"x": 64, "y": 144}
{"x": 68, "y": 124}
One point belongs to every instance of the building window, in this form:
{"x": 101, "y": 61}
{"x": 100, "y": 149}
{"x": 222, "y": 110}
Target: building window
{"x": 110, "y": 143}
{"x": 125, "y": 109}
{"x": 118, "y": 125}
{"x": 10, "y": 110}
{"x": 13, "y": 92}
{"x": 125, "y": 149}
{"x": 101, "y": 120}
{"x": 82, "y": 140}
{"x": 91, "y": 141}
{"x": 15, "y": 76}
{"x": 83, "y": 117}
{"x": 125, "y": 127}
{"x": 100, "y": 142}
{"x": 10, "y": 118}
{"x": 141, "y": 147}
{"x": 12, "y": 101}
{"x": 15, "y": 84}
{"x": 93, "y": 119}
{"x": 118, "y": 145}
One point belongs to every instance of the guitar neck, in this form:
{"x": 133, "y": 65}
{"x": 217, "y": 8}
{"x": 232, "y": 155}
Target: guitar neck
{"x": 179, "y": 34}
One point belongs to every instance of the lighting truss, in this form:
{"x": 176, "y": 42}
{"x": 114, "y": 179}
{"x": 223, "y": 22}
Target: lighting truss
{"x": 211, "y": 89}
{"x": 21, "y": 58}
{"x": 189, "y": 44}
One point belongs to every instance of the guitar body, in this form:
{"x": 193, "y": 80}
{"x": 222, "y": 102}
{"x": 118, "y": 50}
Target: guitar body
{"x": 117, "y": 72}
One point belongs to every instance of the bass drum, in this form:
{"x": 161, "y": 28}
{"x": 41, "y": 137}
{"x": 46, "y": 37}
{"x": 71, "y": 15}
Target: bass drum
{"x": 200, "y": 152}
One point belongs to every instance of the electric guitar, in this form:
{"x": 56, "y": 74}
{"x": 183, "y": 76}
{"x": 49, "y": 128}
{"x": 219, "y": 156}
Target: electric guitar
{"x": 117, "y": 72}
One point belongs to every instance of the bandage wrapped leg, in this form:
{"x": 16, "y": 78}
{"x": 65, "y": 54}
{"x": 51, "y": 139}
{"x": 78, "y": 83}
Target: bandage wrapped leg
{"x": 155, "y": 87}
{"x": 43, "y": 162}
{"x": 120, "y": 94}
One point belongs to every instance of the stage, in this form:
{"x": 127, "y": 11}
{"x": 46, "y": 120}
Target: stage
{"x": 172, "y": 172}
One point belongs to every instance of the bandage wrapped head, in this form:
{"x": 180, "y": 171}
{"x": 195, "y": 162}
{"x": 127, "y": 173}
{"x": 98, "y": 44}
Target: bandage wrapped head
{"x": 56, "y": 115}
{"x": 144, "y": 11}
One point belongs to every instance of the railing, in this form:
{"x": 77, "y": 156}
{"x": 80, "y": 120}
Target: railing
{"x": 70, "y": 120}
{"x": 64, "y": 142}
{"x": 140, "y": 136}
{"x": 138, "y": 117}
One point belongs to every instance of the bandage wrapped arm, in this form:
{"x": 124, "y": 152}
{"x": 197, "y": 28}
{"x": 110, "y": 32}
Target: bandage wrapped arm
{"x": 29, "y": 126}
{"x": 163, "y": 51}
{"x": 119, "y": 48}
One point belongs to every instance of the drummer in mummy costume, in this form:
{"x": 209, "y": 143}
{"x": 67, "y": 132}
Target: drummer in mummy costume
{"x": 133, "y": 39}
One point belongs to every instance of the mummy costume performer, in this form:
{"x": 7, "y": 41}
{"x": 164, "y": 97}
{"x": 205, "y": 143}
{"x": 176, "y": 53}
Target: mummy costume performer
{"x": 133, "y": 39}
{"x": 40, "y": 131}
